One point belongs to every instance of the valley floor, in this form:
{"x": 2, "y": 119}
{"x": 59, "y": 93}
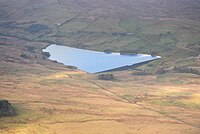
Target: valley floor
{"x": 51, "y": 99}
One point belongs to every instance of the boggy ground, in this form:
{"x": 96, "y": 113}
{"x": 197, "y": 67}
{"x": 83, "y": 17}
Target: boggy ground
{"x": 50, "y": 98}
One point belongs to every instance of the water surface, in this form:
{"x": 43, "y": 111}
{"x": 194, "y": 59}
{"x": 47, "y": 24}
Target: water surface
{"x": 93, "y": 61}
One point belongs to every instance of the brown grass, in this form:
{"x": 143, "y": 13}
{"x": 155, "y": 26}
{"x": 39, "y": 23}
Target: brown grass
{"x": 52, "y": 99}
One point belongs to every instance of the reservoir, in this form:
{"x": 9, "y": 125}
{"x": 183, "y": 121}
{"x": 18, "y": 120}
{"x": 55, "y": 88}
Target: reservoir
{"x": 94, "y": 61}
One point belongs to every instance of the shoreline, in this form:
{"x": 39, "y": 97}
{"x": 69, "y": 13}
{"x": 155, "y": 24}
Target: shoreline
{"x": 123, "y": 68}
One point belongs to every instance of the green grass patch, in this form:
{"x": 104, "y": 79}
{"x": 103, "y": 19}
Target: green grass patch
{"x": 128, "y": 97}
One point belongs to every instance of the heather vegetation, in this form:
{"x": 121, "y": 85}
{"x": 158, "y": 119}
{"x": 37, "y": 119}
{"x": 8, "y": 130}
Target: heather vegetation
{"x": 6, "y": 109}
{"x": 34, "y": 28}
{"x": 106, "y": 76}
{"x": 24, "y": 56}
{"x": 46, "y": 54}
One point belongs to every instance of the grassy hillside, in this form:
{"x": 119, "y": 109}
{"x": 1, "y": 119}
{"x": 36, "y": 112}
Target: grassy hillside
{"x": 169, "y": 28}
{"x": 50, "y": 98}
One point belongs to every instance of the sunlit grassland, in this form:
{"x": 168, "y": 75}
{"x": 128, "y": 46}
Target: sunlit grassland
{"x": 62, "y": 100}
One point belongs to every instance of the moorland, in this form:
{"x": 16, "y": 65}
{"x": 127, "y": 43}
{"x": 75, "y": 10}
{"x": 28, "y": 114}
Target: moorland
{"x": 162, "y": 96}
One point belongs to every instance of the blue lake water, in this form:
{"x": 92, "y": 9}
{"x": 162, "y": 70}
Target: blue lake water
{"x": 93, "y": 61}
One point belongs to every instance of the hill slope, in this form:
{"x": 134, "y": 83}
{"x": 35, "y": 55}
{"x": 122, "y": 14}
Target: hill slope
{"x": 50, "y": 98}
